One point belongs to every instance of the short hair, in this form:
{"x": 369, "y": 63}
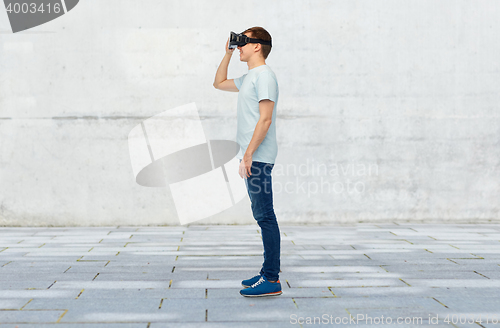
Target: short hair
{"x": 260, "y": 33}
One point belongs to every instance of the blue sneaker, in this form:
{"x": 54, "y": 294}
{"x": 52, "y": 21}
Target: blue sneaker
{"x": 249, "y": 282}
{"x": 262, "y": 288}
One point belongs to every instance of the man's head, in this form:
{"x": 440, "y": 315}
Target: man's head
{"x": 255, "y": 49}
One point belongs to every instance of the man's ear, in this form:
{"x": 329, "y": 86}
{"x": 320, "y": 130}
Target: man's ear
{"x": 258, "y": 47}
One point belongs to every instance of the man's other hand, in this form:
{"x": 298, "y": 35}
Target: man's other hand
{"x": 245, "y": 169}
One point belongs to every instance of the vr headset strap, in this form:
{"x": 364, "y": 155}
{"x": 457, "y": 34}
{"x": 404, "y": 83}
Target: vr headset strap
{"x": 252, "y": 40}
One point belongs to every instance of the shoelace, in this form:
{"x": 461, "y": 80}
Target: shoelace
{"x": 261, "y": 280}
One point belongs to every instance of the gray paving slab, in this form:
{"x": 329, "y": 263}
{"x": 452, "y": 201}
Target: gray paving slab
{"x": 269, "y": 309}
{"x": 156, "y": 293}
{"x": 394, "y": 282}
{"x": 485, "y": 283}
{"x": 374, "y": 302}
{"x": 173, "y": 313}
{"x": 87, "y": 304}
{"x": 164, "y": 260}
{"x": 9, "y": 269}
{"x": 191, "y": 276}
{"x": 449, "y": 274}
{"x": 25, "y": 316}
{"x": 225, "y": 324}
{"x": 38, "y": 293}
{"x": 443, "y": 266}
{"x": 205, "y": 283}
{"x": 76, "y": 325}
{"x": 110, "y": 284}
{"x": 162, "y": 268}
{"x": 490, "y": 304}
{"x": 360, "y": 323}
{"x": 46, "y": 259}
{"x": 135, "y": 276}
{"x": 55, "y": 263}
{"x": 27, "y": 284}
{"x": 492, "y": 274}
{"x": 460, "y": 292}
{"x": 46, "y": 276}
{"x": 12, "y": 303}
{"x": 415, "y": 316}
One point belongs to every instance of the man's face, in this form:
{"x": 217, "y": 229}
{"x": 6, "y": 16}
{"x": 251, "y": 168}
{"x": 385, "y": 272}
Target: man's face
{"x": 247, "y": 50}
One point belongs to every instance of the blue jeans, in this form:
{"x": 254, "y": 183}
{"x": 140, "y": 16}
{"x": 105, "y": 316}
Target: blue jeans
{"x": 259, "y": 187}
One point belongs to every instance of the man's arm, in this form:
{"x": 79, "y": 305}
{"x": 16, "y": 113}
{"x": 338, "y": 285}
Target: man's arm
{"x": 266, "y": 107}
{"x": 221, "y": 82}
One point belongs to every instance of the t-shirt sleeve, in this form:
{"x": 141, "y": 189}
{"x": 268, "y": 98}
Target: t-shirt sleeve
{"x": 239, "y": 81}
{"x": 266, "y": 86}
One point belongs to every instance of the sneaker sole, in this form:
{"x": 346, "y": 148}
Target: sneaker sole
{"x": 245, "y": 286}
{"x": 268, "y": 294}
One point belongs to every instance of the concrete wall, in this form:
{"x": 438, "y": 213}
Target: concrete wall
{"x": 388, "y": 109}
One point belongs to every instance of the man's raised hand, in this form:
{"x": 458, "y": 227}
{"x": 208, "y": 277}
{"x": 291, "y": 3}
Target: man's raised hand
{"x": 229, "y": 51}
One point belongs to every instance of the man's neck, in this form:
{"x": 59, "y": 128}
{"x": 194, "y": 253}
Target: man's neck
{"x": 255, "y": 62}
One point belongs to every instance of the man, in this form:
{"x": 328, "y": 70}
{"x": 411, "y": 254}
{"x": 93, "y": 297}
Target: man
{"x": 256, "y": 135}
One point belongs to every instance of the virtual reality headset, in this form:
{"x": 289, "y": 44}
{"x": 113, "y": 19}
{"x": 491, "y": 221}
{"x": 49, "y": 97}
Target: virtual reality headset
{"x": 239, "y": 40}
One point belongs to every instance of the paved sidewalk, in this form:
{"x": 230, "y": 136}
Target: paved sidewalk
{"x": 190, "y": 276}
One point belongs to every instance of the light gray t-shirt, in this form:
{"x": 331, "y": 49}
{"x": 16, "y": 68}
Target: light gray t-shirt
{"x": 258, "y": 84}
